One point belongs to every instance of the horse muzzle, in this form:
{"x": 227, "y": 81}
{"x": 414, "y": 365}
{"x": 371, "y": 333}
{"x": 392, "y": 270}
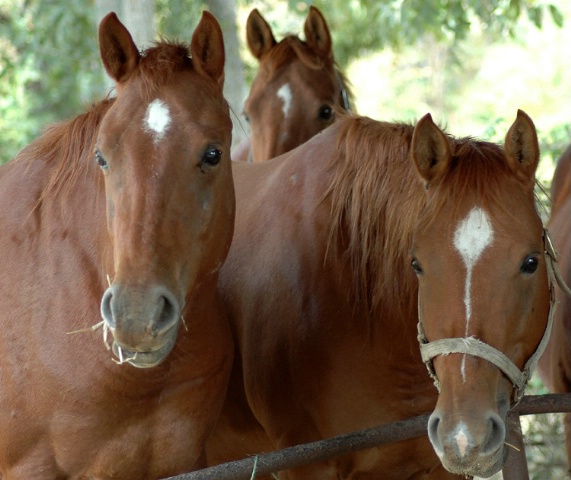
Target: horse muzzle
{"x": 144, "y": 322}
{"x": 466, "y": 450}
{"x": 143, "y": 359}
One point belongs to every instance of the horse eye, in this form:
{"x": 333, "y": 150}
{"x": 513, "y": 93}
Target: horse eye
{"x": 246, "y": 117}
{"x": 416, "y": 266}
{"x": 529, "y": 265}
{"x": 100, "y": 160}
{"x": 211, "y": 157}
{"x": 325, "y": 112}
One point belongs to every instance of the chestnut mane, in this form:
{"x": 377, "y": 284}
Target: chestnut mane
{"x": 378, "y": 200}
{"x": 375, "y": 207}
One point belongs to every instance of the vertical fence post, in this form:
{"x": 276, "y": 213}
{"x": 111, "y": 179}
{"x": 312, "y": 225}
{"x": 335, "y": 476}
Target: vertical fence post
{"x": 516, "y": 464}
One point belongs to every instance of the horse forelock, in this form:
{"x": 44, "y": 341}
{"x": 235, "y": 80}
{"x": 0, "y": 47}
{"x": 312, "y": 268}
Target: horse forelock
{"x": 478, "y": 171}
{"x": 292, "y": 48}
{"x": 374, "y": 210}
{"x": 289, "y": 49}
{"x": 159, "y": 62}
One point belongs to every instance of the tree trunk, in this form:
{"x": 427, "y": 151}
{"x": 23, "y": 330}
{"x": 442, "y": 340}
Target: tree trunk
{"x": 235, "y": 89}
{"x": 102, "y": 8}
{"x": 139, "y": 18}
{"x": 136, "y": 15}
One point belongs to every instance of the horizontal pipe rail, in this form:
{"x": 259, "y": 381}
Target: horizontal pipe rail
{"x": 321, "y": 450}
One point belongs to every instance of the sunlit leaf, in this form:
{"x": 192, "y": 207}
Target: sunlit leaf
{"x": 556, "y": 15}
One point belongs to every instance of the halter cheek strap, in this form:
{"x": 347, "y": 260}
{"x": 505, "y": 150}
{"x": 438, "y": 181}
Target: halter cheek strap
{"x": 477, "y": 348}
{"x": 344, "y": 95}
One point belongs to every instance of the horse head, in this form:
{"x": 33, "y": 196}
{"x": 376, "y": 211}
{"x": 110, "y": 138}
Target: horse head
{"x": 484, "y": 298}
{"x": 163, "y": 149}
{"x": 297, "y": 88}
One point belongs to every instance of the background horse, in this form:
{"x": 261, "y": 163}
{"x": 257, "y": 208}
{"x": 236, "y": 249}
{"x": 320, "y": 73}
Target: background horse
{"x": 136, "y": 192}
{"x": 555, "y": 365}
{"x": 323, "y": 300}
{"x": 296, "y": 90}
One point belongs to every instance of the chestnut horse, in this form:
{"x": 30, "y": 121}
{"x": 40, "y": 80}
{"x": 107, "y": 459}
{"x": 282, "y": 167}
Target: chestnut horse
{"x": 136, "y": 192}
{"x": 296, "y": 91}
{"x": 555, "y": 365}
{"x": 323, "y": 304}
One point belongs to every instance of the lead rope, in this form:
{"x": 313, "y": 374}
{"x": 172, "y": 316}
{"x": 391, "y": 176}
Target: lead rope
{"x": 475, "y": 347}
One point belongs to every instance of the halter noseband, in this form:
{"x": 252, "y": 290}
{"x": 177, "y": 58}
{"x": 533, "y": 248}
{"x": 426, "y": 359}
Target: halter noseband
{"x": 477, "y": 348}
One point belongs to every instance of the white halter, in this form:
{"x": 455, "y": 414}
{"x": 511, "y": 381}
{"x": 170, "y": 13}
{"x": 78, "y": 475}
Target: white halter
{"x": 477, "y": 348}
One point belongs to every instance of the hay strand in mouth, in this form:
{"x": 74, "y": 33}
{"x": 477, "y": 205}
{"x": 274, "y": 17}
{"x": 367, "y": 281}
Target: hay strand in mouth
{"x": 123, "y": 359}
{"x": 96, "y": 326}
{"x": 92, "y": 329}
{"x": 88, "y": 329}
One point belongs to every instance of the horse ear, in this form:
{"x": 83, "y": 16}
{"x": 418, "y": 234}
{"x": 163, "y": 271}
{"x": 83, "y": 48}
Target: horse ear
{"x": 118, "y": 51}
{"x": 258, "y": 34}
{"x": 430, "y": 149}
{"x": 522, "y": 148}
{"x": 317, "y": 34}
{"x": 207, "y": 47}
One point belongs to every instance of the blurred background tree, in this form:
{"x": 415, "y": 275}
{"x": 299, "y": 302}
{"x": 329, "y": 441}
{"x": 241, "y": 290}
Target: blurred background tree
{"x": 48, "y": 67}
{"x": 404, "y": 57}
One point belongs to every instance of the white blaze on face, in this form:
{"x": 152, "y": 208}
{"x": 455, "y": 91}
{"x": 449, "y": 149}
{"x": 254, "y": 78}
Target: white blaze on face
{"x": 284, "y": 93}
{"x": 461, "y": 440}
{"x": 471, "y": 238}
{"x": 157, "y": 119}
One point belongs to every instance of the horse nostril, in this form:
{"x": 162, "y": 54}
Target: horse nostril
{"x": 433, "y": 423}
{"x": 106, "y": 310}
{"x": 169, "y": 312}
{"x": 132, "y": 309}
{"x": 496, "y": 434}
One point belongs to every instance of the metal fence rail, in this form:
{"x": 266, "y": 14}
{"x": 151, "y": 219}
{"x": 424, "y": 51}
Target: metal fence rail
{"x": 321, "y": 450}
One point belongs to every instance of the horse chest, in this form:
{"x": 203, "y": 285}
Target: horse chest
{"x": 96, "y": 433}
{"x": 130, "y": 441}
{"x": 144, "y": 449}
{"x": 364, "y": 388}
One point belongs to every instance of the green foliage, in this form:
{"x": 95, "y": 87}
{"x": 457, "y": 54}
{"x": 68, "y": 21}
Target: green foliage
{"x": 544, "y": 440}
{"x": 49, "y": 61}
{"x": 552, "y": 144}
{"x": 366, "y": 25}
{"x": 176, "y": 19}
{"x": 49, "y": 66}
